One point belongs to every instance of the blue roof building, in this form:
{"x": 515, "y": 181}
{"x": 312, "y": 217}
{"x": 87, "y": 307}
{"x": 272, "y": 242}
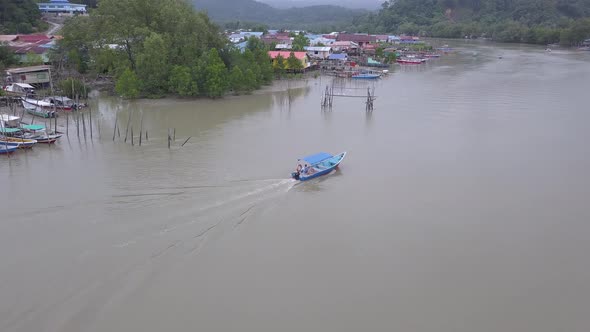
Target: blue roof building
{"x": 61, "y": 6}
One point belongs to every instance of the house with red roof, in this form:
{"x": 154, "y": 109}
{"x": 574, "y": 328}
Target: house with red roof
{"x": 301, "y": 56}
{"x": 38, "y": 44}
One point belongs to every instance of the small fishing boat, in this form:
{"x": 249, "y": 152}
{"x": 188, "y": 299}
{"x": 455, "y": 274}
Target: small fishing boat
{"x": 38, "y": 133}
{"x": 6, "y": 149}
{"x": 366, "y": 76}
{"x": 318, "y": 164}
{"x": 9, "y": 120}
{"x": 409, "y": 61}
{"x": 19, "y": 89}
{"x": 39, "y": 108}
{"x": 21, "y": 143}
{"x": 61, "y": 103}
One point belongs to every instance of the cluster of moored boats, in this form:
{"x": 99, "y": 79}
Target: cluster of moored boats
{"x": 48, "y": 107}
{"x": 15, "y": 135}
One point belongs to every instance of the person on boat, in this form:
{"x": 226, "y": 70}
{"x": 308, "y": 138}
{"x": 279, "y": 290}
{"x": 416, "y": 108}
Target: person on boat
{"x": 298, "y": 170}
{"x": 305, "y": 169}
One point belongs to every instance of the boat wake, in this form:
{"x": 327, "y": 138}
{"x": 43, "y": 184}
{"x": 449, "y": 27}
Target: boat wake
{"x": 209, "y": 208}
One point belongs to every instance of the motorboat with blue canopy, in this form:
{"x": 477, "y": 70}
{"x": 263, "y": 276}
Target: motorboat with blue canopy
{"x": 316, "y": 165}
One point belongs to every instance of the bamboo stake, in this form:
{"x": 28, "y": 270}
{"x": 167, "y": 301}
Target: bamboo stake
{"x": 132, "y": 136}
{"x": 128, "y": 123}
{"x": 77, "y": 115}
{"x": 115, "y": 128}
{"x": 90, "y": 120}
{"x": 141, "y": 128}
{"x": 186, "y": 141}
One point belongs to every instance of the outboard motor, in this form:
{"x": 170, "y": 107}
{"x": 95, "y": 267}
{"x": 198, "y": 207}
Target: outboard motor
{"x": 295, "y": 175}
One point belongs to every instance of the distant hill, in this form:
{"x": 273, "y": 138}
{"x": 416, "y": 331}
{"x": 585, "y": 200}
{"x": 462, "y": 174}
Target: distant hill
{"x": 531, "y": 21}
{"x": 319, "y": 18}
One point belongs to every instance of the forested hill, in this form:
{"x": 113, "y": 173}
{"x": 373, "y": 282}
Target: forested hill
{"x": 320, "y": 17}
{"x": 534, "y": 21}
{"x": 20, "y": 16}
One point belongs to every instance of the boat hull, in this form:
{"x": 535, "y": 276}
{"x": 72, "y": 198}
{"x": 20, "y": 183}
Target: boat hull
{"x": 39, "y": 108}
{"x": 21, "y": 143}
{"x": 322, "y": 168}
{"x": 366, "y": 76}
{"x": 6, "y": 149}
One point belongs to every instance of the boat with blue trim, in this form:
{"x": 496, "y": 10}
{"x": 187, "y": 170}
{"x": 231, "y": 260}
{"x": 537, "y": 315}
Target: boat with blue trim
{"x": 316, "y": 165}
{"x": 21, "y": 143}
{"x": 366, "y": 76}
{"x": 6, "y": 149}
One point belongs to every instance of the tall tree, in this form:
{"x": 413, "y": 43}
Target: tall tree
{"x": 300, "y": 42}
{"x": 215, "y": 75}
{"x": 279, "y": 65}
{"x": 236, "y": 80}
{"x": 128, "y": 85}
{"x": 152, "y": 65}
{"x": 293, "y": 63}
{"x": 7, "y": 58}
{"x": 181, "y": 82}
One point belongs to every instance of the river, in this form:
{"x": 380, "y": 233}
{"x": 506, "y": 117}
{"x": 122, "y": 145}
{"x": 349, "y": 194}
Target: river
{"x": 462, "y": 205}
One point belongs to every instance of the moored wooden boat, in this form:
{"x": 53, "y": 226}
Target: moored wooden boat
{"x": 9, "y": 120}
{"x": 6, "y": 149}
{"x": 19, "y": 89}
{"x": 39, "y": 108}
{"x": 38, "y": 133}
{"x": 409, "y": 61}
{"x": 317, "y": 165}
{"x": 21, "y": 143}
{"x": 366, "y": 76}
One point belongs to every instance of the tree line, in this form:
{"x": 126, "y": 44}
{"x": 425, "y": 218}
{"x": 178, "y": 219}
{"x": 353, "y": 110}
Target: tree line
{"x": 157, "y": 47}
{"x": 529, "y": 21}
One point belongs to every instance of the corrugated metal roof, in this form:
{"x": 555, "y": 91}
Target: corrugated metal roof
{"x": 28, "y": 69}
{"x": 318, "y": 48}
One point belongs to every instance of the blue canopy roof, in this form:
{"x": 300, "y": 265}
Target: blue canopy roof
{"x": 316, "y": 158}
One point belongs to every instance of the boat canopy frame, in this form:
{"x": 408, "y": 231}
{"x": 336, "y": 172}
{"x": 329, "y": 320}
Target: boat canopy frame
{"x": 316, "y": 158}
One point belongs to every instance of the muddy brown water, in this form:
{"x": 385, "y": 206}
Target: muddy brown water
{"x": 462, "y": 205}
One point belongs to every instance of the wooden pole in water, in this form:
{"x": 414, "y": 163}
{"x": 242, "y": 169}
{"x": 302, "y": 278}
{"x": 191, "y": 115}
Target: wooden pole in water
{"x": 132, "y": 136}
{"x": 146, "y": 135}
{"x": 77, "y": 116}
{"x": 115, "y": 128}
{"x": 174, "y": 137}
{"x": 141, "y": 128}
{"x": 128, "y": 123}
{"x": 68, "y": 124}
{"x": 90, "y": 120}
{"x": 168, "y": 138}
{"x": 186, "y": 141}
{"x": 83, "y": 125}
